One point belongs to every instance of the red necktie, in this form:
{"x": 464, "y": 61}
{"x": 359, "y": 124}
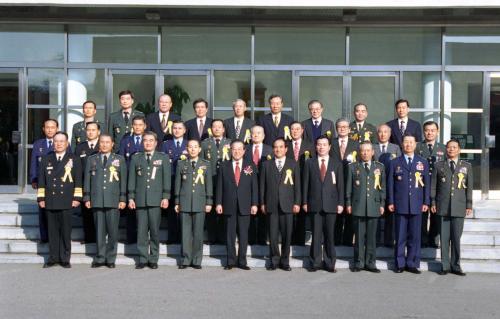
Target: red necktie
{"x": 296, "y": 150}
{"x": 323, "y": 170}
{"x": 237, "y": 173}
{"x": 256, "y": 156}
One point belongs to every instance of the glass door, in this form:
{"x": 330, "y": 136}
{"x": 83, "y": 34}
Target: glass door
{"x": 492, "y": 148}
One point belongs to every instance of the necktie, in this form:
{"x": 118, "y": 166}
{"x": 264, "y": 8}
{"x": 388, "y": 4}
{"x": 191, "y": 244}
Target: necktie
{"x": 125, "y": 117}
{"x": 409, "y": 161}
{"x": 452, "y": 166}
{"x": 200, "y": 128}
{"x": 279, "y": 166}
{"x": 148, "y": 158}
{"x": 217, "y": 143}
{"x": 193, "y": 164}
{"x": 359, "y": 127}
{"x": 430, "y": 148}
{"x": 238, "y": 129}
{"x": 237, "y": 173}
{"x": 256, "y": 156}
{"x": 342, "y": 148}
{"x": 276, "y": 122}
{"x": 137, "y": 141}
{"x": 50, "y": 144}
{"x": 322, "y": 170}
{"x": 383, "y": 148}
{"x": 316, "y": 124}
{"x": 296, "y": 150}
{"x": 367, "y": 169}
{"x": 164, "y": 122}
{"x": 178, "y": 144}
{"x": 104, "y": 160}
{"x": 402, "y": 127}
{"x": 59, "y": 158}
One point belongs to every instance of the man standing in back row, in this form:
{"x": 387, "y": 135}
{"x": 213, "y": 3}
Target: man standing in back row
{"x": 120, "y": 122}
{"x": 276, "y": 124}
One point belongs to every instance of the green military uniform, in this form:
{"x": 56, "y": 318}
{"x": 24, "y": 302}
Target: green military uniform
{"x": 365, "y": 193}
{"x": 79, "y": 133}
{"x": 148, "y": 184}
{"x": 451, "y": 193}
{"x": 430, "y": 235}
{"x": 118, "y": 127}
{"x": 193, "y": 191}
{"x": 215, "y": 155}
{"x": 367, "y": 133}
{"x": 105, "y": 186}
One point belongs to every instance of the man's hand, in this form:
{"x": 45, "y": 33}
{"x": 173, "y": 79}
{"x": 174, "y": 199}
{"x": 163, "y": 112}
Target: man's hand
{"x": 349, "y": 210}
{"x": 433, "y": 209}
{"x": 391, "y": 208}
{"x": 296, "y": 209}
{"x": 88, "y": 204}
{"x": 41, "y": 204}
{"x": 425, "y": 208}
{"x": 340, "y": 209}
{"x": 177, "y": 209}
{"x": 263, "y": 209}
{"x": 468, "y": 211}
{"x": 131, "y": 204}
{"x": 208, "y": 208}
{"x": 218, "y": 209}
{"x": 381, "y": 210}
{"x": 75, "y": 203}
{"x": 304, "y": 207}
{"x": 164, "y": 203}
{"x": 253, "y": 210}
{"x": 34, "y": 185}
{"x": 122, "y": 205}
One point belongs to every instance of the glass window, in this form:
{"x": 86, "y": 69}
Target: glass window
{"x": 422, "y": 89}
{"x": 36, "y": 118}
{"x": 378, "y": 94}
{"x": 45, "y": 86}
{"x": 422, "y": 116}
{"x": 42, "y": 43}
{"x": 85, "y": 85}
{"x": 113, "y": 44}
{"x": 184, "y": 89}
{"x": 464, "y": 90}
{"x": 304, "y": 45}
{"x": 472, "y": 46}
{"x": 143, "y": 87}
{"x": 466, "y": 127}
{"x": 395, "y": 46}
{"x": 210, "y": 45}
{"x": 268, "y": 83}
{"x": 326, "y": 89}
{"x": 231, "y": 85}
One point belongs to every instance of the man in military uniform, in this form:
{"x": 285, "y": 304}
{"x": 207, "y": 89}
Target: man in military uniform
{"x": 408, "y": 195}
{"x": 79, "y": 131}
{"x": 193, "y": 198}
{"x": 198, "y": 128}
{"x": 149, "y": 184}
{"x": 104, "y": 193}
{"x": 316, "y": 125}
{"x": 119, "y": 123}
{"x": 161, "y": 121}
{"x": 216, "y": 149}
{"x": 175, "y": 148}
{"x": 365, "y": 200}
{"x": 42, "y": 147}
{"x": 131, "y": 144}
{"x": 360, "y": 130}
{"x": 451, "y": 197}
{"x": 276, "y": 123}
{"x": 59, "y": 191}
{"x": 238, "y": 127}
{"x": 434, "y": 152}
{"x": 83, "y": 150}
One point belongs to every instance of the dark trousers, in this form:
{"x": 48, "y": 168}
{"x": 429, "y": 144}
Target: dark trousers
{"x": 343, "y": 230}
{"x": 430, "y": 234}
{"x": 107, "y": 221}
{"x": 299, "y": 229}
{"x": 89, "y": 235}
{"x": 59, "y": 226}
{"x": 192, "y": 238}
{"x": 323, "y": 228}
{"x": 365, "y": 243}
{"x": 148, "y": 234}
{"x": 42, "y": 224}
{"x": 408, "y": 236}
{"x": 388, "y": 228}
{"x": 280, "y": 223}
{"x": 451, "y": 232}
{"x": 237, "y": 223}
{"x": 257, "y": 233}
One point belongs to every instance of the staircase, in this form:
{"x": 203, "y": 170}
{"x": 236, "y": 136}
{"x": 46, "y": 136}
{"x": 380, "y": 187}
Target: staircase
{"x": 19, "y": 232}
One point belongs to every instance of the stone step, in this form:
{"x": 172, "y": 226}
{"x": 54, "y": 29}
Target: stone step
{"x": 492, "y": 225}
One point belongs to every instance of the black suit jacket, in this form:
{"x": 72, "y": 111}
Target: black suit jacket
{"x": 237, "y": 198}
{"x": 83, "y": 151}
{"x": 154, "y": 124}
{"x": 412, "y": 127}
{"x": 230, "y": 129}
{"x": 265, "y": 154}
{"x": 326, "y": 125}
{"x": 305, "y": 146}
{"x": 350, "y": 148}
{"x": 327, "y": 195}
{"x": 192, "y": 129}
{"x": 272, "y": 132}
{"x": 274, "y": 193}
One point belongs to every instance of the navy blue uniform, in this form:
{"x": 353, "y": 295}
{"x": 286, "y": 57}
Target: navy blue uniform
{"x": 130, "y": 145}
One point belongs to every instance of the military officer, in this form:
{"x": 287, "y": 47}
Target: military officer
{"x": 79, "y": 131}
{"x": 131, "y": 144}
{"x": 198, "y": 128}
{"x": 276, "y": 123}
{"x": 42, "y": 147}
{"x": 104, "y": 193}
{"x": 451, "y": 197}
{"x": 84, "y": 150}
{"x": 408, "y": 189}
{"x": 59, "y": 191}
{"x": 365, "y": 200}
{"x": 149, "y": 184}
{"x": 119, "y": 123}
{"x": 216, "y": 149}
{"x": 238, "y": 127}
{"x": 360, "y": 130}
{"x": 434, "y": 152}
{"x": 193, "y": 199}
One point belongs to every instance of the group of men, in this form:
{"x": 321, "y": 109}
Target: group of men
{"x": 267, "y": 182}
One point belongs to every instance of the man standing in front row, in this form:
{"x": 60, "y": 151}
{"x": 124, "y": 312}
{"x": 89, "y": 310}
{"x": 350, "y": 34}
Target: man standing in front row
{"x": 59, "y": 191}
{"x": 451, "y": 197}
{"x": 148, "y": 192}
{"x": 237, "y": 197}
{"x": 365, "y": 200}
{"x": 408, "y": 189}
{"x": 105, "y": 192}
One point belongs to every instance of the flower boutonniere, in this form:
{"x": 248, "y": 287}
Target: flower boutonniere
{"x": 248, "y": 170}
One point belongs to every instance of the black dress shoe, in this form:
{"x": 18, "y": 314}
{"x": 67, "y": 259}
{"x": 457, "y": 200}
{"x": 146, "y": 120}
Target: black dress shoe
{"x": 442, "y": 272}
{"x": 414, "y": 270}
{"x": 96, "y": 264}
{"x": 183, "y": 266}
{"x": 271, "y": 267}
{"x": 153, "y": 265}
{"x": 228, "y": 267}
{"x": 373, "y": 270}
{"x": 286, "y": 268}
{"x": 66, "y": 265}
{"x": 111, "y": 265}
{"x": 196, "y": 267}
{"x": 398, "y": 270}
{"x": 458, "y": 272}
{"x": 356, "y": 269}
{"x": 49, "y": 264}
{"x": 332, "y": 270}
{"x": 82, "y": 242}
{"x": 312, "y": 269}
{"x": 245, "y": 267}
{"x": 140, "y": 266}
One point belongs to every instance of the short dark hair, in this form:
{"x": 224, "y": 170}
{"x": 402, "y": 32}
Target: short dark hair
{"x": 49, "y": 120}
{"x": 297, "y": 122}
{"x": 126, "y": 92}
{"x": 194, "y": 140}
{"x": 200, "y": 100}
{"x": 139, "y": 118}
{"x": 359, "y": 104}
{"x": 275, "y": 96}
{"x": 314, "y": 101}
{"x": 217, "y": 120}
{"x": 177, "y": 122}
{"x": 401, "y": 101}
{"x": 454, "y": 140}
{"x": 323, "y": 137}
{"x": 62, "y": 133}
{"x": 409, "y": 135}
{"x": 238, "y": 141}
{"x": 279, "y": 139}
{"x": 106, "y": 135}
{"x": 90, "y": 102}
{"x": 428, "y": 123}
{"x": 365, "y": 143}
{"x": 150, "y": 133}
{"x": 93, "y": 122}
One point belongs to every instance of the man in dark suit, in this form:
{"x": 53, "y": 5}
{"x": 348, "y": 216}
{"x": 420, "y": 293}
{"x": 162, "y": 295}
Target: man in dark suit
{"x": 176, "y": 150}
{"x": 258, "y": 152}
{"x": 42, "y": 147}
{"x": 316, "y": 125}
{"x": 59, "y": 198}
{"x": 237, "y": 198}
{"x": 276, "y": 124}
{"x": 83, "y": 151}
{"x": 198, "y": 128}
{"x": 119, "y": 121}
{"x": 360, "y": 130}
{"x": 451, "y": 197}
{"x": 238, "y": 127}
{"x": 161, "y": 121}
{"x": 323, "y": 199}
{"x": 280, "y": 196}
{"x": 299, "y": 150}
{"x": 131, "y": 144}
{"x": 403, "y": 125}
{"x": 408, "y": 189}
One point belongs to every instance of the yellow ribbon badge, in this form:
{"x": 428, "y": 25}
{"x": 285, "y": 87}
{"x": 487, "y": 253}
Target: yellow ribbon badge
{"x": 169, "y": 127}
{"x": 377, "y": 181}
{"x": 329, "y": 134}
{"x": 225, "y": 153}
{"x": 67, "y": 174}
{"x": 183, "y": 157}
{"x": 199, "y": 177}
{"x": 288, "y": 177}
{"x": 355, "y": 137}
{"x": 367, "y": 136}
{"x": 269, "y": 157}
{"x": 418, "y": 180}
{"x": 209, "y": 132}
{"x": 307, "y": 154}
{"x": 461, "y": 181}
{"x": 113, "y": 174}
{"x": 287, "y": 133}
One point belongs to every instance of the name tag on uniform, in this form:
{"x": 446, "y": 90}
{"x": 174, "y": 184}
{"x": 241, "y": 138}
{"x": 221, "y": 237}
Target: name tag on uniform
{"x": 334, "y": 180}
{"x": 83, "y": 155}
